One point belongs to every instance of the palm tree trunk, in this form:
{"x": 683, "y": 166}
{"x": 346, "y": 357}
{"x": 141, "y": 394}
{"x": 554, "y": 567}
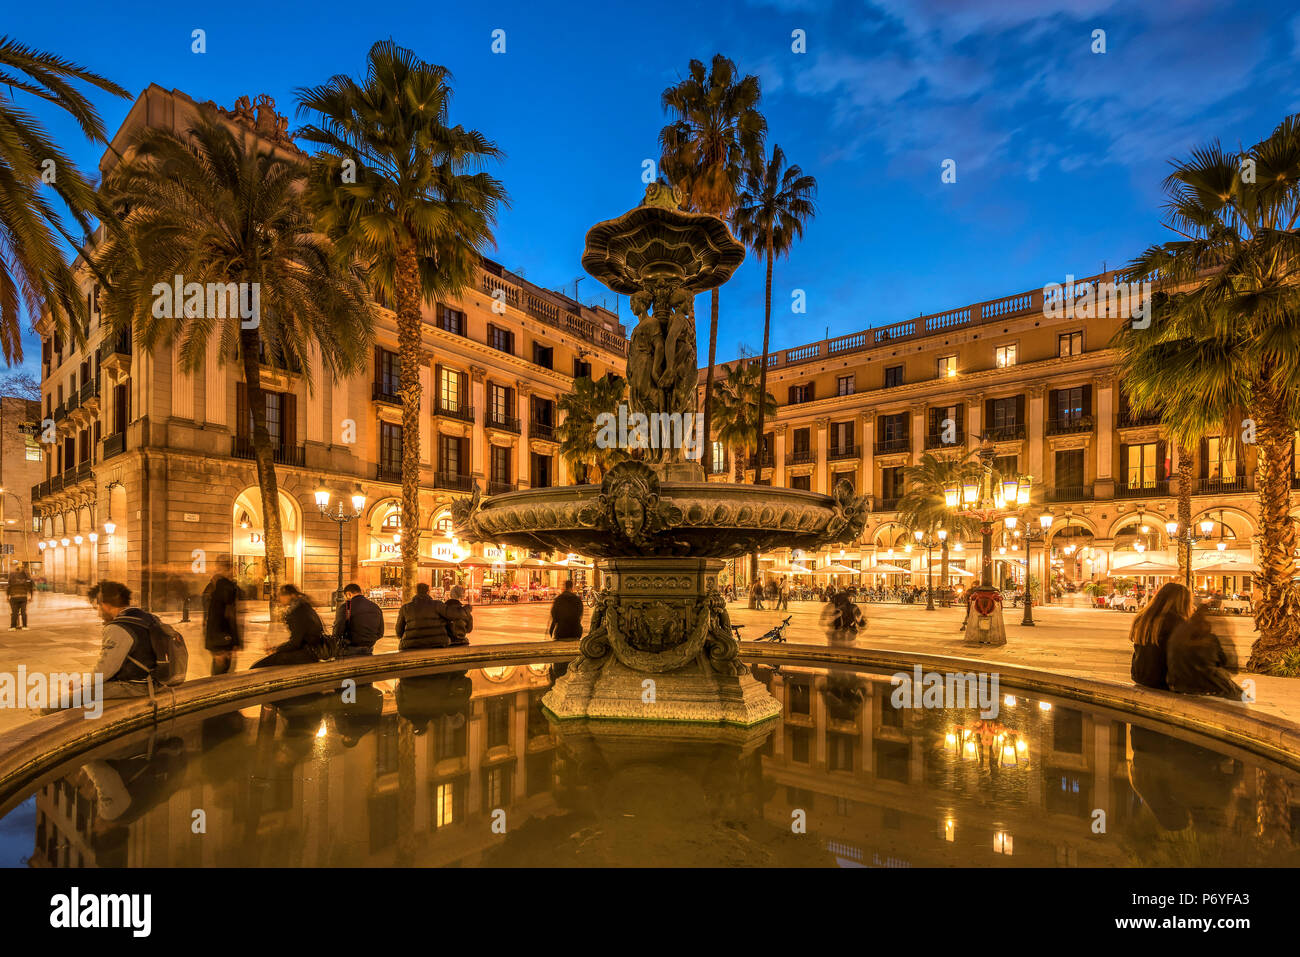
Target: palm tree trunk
{"x": 264, "y": 458}
{"x": 1278, "y": 615}
{"x": 1184, "y": 510}
{"x": 408, "y": 346}
{"x": 943, "y": 556}
{"x": 708, "y": 382}
{"x": 762, "y": 383}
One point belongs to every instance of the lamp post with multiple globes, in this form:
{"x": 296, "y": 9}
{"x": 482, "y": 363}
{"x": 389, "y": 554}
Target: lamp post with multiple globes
{"x": 340, "y": 514}
{"x": 1189, "y": 538}
{"x": 1032, "y": 534}
{"x": 985, "y": 498}
{"x": 929, "y": 540}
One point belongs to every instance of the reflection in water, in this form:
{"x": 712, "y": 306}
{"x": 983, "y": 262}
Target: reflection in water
{"x": 466, "y": 768}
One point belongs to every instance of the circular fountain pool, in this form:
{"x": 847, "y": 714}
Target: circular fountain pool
{"x": 456, "y": 767}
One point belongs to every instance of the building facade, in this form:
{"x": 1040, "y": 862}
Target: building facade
{"x": 150, "y": 476}
{"x": 1038, "y": 379}
{"x": 21, "y": 466}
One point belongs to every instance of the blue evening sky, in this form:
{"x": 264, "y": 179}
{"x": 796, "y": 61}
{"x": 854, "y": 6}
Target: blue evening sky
{"x": 1059, "y": 151}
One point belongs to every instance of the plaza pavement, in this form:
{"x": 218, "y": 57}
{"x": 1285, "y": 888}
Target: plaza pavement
{"x": 1068, "y": 639}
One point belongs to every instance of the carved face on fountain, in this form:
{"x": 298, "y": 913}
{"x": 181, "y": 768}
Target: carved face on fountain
{"x": 628, "y": 511}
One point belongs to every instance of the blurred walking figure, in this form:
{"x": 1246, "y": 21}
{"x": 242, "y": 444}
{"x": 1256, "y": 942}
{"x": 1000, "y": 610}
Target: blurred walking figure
{"x": 566, "y": 614}
{"x": 1198, "y": 659}
{"x": 358, "y": 623}
{"x": 1151, "y": 630}
{"x": 842, "y": 618}
{"x": 756, "y": 596}
{"x": 221, "y": 619}
{"x": 306, "y": 642}
{"x": 20, "y": 590}
{"x": 783, "y": 595}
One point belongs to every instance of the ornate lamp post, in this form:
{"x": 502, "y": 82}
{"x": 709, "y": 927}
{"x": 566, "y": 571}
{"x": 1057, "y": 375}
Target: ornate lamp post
{"x": 928, "y": 541}
{"x": 340, "y": 515}
{"x": 1189, "y": 538}
{"x": 985, "y": 499}
{"x": 1031, "y": 534}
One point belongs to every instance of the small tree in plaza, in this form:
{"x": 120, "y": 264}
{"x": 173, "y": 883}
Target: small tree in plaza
{"x": 577, "y": 433}
{"x": 923, "y": 506}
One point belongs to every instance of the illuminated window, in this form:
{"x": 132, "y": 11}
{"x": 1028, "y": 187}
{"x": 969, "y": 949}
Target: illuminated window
{"x": 1142, "y": 466}
{"x": 1220, "y": 460}
{"x": 1005, "y": 356}
{"x": 947, "y": 366}
{"x": 445, "y": 804}
{"x": 1069, "y": 344}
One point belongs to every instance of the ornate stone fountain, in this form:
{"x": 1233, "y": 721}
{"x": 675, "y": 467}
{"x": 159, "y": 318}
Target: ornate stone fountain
{"x": 660, "y": 644}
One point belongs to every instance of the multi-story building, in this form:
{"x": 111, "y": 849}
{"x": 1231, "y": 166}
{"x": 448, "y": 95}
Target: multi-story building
{"x": 1042, "y": 387}
{"x": 21, "y": 455}
{"x": 151, "y": 474}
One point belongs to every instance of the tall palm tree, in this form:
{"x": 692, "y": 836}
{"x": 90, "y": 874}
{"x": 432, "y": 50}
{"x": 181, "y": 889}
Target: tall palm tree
{"x": 771, "y": 212}
{"x": 736, "y": 411}
{"x": 212, "y": 206}
{"x": 716, "y": 127}
{"x": 1142, "y": 355}
{"x": 1235, "y": 214}
{"x": 33, "y": 271}
{"x": 405, "y": 192}
{"x": 923, "y": 505}
{"x": 578, "y": 433}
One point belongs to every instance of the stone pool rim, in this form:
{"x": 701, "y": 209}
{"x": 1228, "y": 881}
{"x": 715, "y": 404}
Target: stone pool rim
{"x": 44, "y": 743}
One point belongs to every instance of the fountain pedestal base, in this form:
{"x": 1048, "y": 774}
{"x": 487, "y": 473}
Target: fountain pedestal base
{"x": 660, "y": 648}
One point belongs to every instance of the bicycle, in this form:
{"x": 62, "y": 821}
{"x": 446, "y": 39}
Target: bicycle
{"x": 777, "y": 634}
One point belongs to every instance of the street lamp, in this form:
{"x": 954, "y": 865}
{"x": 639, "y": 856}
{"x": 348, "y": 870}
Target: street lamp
{"x": 984, "y": 498}
{"x": 340, "y": 515}
{"x": 1190, "y": 538}
{"x": 1030, "y": 535}
{"x": 927, "y": 541}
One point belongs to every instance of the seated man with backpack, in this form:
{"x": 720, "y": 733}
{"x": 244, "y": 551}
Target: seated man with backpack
{"x": 358, "y": 624}
{"x": 139, "y": 651}
{"x": 422, "y": 622}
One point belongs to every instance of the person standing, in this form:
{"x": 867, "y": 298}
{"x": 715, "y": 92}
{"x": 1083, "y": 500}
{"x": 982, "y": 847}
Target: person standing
{"x": 566, "y": 615}
{"x": 221, "y": 619}
{"x": 20, "y": 590}
{"x": 358, "y": 623}
{"x": 783, "y": 601}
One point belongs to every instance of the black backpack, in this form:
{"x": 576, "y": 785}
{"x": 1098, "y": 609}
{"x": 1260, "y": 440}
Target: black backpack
{"x": 170, "y": 656}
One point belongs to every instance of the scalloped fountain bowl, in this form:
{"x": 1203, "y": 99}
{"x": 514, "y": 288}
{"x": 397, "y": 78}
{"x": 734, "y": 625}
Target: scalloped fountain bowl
{"x": 685, "y": 519}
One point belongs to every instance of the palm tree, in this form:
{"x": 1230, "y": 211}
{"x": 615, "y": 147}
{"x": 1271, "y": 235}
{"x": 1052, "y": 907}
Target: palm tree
{"x": 1239, "y": 365}
{"x": 33, "y": 271}
{"x": 578, "y": 433}
{"x": 1142, "y": 354}
{"x": 715, "y": 129}
{"x": 771, "y": 212}
{"x": 736, "y": 412}
{"x": 404, "y": 192}
{"x": 215, "y": 207}
{"x": 923, "y": 505}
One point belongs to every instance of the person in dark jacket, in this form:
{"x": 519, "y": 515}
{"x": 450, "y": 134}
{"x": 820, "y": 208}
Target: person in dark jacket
{"x": 566, "y": 614}
{"x": 1151, "y": 630}
{"x": 359, "y": 622}
{"x": 422, "y": 623}
{"x": 1197, "y": 660}
{"x": 306, "y": 642}
{"x": 19, "y": 589}
{"x": 459, "y": 615}
{"x": 221, "y": 619}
